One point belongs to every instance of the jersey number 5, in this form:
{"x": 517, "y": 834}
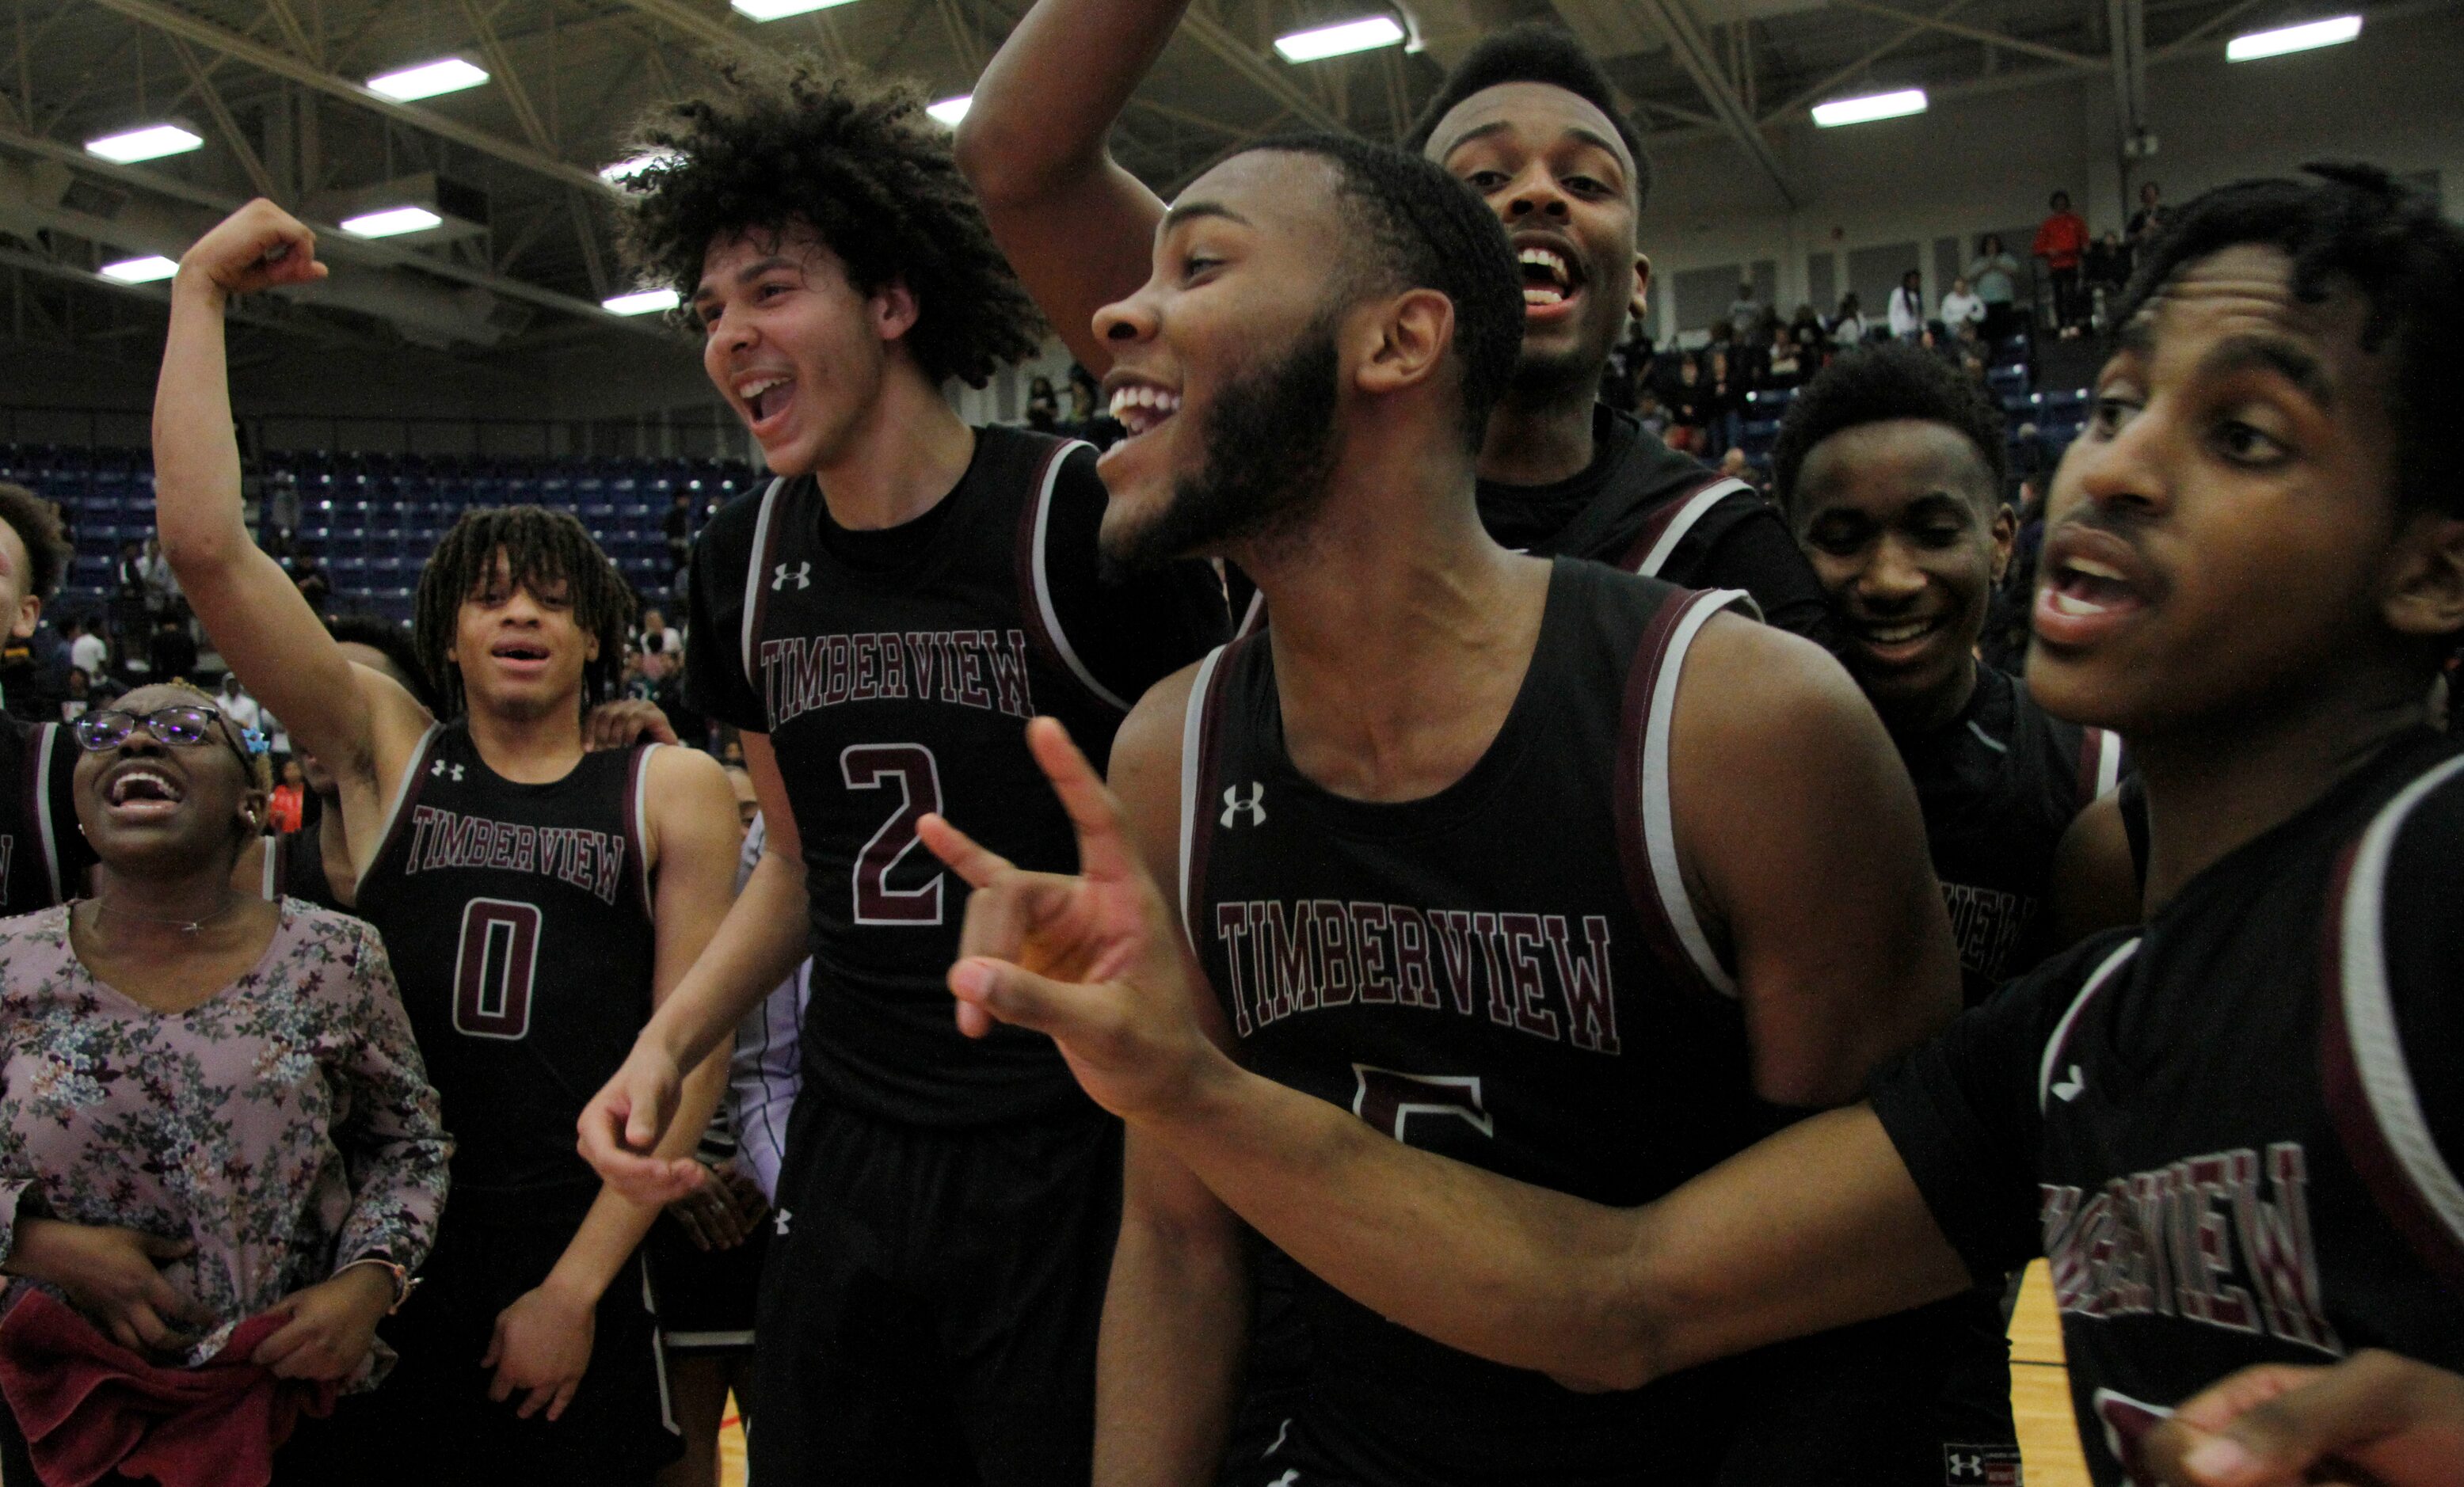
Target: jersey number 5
{"x": 495, "y": 968}
{"x": 911, "y": 768}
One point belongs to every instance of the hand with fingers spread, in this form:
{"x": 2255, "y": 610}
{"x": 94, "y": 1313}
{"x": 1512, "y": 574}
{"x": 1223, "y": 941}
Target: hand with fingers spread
{"x": 541, "y": 1349}
{"x": 621, "y": 1128}
{"x": 114, "y": 1276}
{"x": 2374, "y": 1420}
{"x": 1090, "y": 961}
{"x": 258, "y": 247}
{"x": 331, "y": 1326}
{"x": 626, "y": 722}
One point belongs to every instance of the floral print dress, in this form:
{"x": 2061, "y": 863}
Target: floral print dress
{"x": 285, "y": 1124}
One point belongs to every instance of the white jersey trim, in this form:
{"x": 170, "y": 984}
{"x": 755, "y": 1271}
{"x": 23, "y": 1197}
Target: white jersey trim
{"x": 267, "y": 888}
{"x": 403, "y": 787}
{"x": 1659, "y": 820}
{"x": 1043, "y": 584}
{"x": 1192, "y": 740}
{"x": 1697, "y": 506}
{"x": 2370, "y": 1012}
{"x": 2061, "y": 1038}
{"x": 2108, "y": 762}
{"x": 642, "y": 827}
{"x": 753, "y": 574}
{"x": 1251, "y": 616}
{"x": 43, "y": 739}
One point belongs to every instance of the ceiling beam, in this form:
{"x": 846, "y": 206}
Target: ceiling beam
{"x": 1233, "y": 52}
{"x": 2203, "y": 30}
{"x": 1694, "y": 53}
{"x": 292, "y": 30}
{"x": 223, "y": 123}
{"x": 700, "y": 24}
{"x": 1984, "y": 33}
{"x": 508, "y": 79}
{"x": 1857, "y": 69}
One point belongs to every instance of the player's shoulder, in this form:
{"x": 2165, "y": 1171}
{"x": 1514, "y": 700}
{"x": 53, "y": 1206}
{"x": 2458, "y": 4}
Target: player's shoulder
{"x": 732, "y": 526}
{"x": 1749, "y": 674}
{"x": 2406, "y": 866}
{"x": 681, "y": 784}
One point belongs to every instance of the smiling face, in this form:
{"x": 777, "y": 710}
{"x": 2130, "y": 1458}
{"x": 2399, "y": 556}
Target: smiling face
{"x": 2223, "y": 541}
{"x": 156, "y": 810}
{"x": 796, "y": 350}
{"x": 519, "y": 649}
{"x": 1550, "y": 166}
{"x": 20, "y": 606}
{"x": 1894, "y": 518}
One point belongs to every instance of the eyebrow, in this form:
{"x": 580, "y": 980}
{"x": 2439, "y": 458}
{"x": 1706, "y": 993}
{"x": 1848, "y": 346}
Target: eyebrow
{"x": 2289, "y": 359}
{"x": 748, "y": 273}
{"x": 1590, "y": 137}
{"x": 1189, "y": 211}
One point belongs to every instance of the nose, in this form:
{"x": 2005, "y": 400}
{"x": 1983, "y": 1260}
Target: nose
{"x": 1124, "y": 322}
{"x": 1535, "y": 192}
{"x": 2123, "y": 471}
{"x": 1891, "y": 576}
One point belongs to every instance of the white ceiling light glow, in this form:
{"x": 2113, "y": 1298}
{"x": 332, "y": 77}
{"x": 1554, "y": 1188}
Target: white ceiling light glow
{"x": 147, "y": 270}
{"x": 625, "y": 171}
{"x": 779, "y": 10}
{"x": 151, "y": 143}
{"x": 951, "y": 110}
{"x": 648, "y": 302}
{"x": 1310, "y": 46}
{"x": 449, "y": 75}
{"x": 1867, "y": 109}
{"x": 2292, "y": 39}
{"x": 391, "y": 222}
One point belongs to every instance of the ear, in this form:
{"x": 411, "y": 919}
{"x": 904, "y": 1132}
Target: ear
{"x": 589, "y": 648}
{"x": 30, "y": 611}
{"x": 253, "y": 804}
{"x": 1404, "y": 341}
{"x": 895, "y": 310}
{"x": 2424, "y": 595}
{"x": 2006, "y": 533}
{"x": 1639, "y": 305}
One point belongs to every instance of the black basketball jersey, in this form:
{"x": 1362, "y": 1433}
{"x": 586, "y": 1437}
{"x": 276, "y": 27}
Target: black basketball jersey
{"x": 1641, "y": 506}
{"x": 894, "y": 673}
{"x": 518, "y": 918}
{"x": 2234, "y": 1132}
{"x": 1998, "y": 784}
{"x": 43, "y": 855}
{"x": 295, "y": 868}
{"x": 1508, "y": 972}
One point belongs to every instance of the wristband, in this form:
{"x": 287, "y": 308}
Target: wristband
{"x": 403, "y": 1281}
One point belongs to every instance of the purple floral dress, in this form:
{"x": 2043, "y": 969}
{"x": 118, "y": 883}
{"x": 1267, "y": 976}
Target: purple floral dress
{"x": 285, "y": 1124}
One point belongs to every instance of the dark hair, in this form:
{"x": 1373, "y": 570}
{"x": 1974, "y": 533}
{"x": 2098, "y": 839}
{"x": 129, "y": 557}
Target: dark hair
{"x": 2063, "y": 197}
{"x": 1875, "y": 384}
{"x": 395, "y": 644}
{"x": 1535, "y": 51}
{"x": 539, "y": 546}
{"x": 2357, "y": 222}
{"x": 1425, "y": 231}
{"x": 38, "y": 527}
{"x": 786, "y": 140}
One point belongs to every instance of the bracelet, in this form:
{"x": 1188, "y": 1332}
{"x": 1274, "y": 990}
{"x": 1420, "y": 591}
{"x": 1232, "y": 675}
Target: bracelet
{"x": 403, "y": 1281}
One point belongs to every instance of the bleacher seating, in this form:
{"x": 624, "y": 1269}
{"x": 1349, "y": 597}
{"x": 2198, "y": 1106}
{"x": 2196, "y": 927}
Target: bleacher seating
{"x": 372, "y": 519}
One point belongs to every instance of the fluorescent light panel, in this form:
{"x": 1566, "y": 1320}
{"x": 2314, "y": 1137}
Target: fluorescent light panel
{"x": 391, "y": 222}
{"x": 447, "y": 75}
{"x": 1325, "y": 41}
{"x": 646, "y": 302}
{"x": 779, "y": 10}
{"x": 625, "y": 171}
{"x": 1867, "y": 109}
{"x": 951, "y": 110}
{"x": 141, "y": 270}
{"x": 153, "y": 142}
{"x": 2293, "y": 39}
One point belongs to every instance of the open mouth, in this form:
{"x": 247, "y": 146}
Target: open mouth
{"x": 521, "y": 653}
{"x": 143, "y": 790}
{"x": 1141, "y": 406}
{"x": 765, "y": 397}
{"x": 2093, "y": 583}
{"x": 1548, "y": 276}
{"x": 1897, "y": 639}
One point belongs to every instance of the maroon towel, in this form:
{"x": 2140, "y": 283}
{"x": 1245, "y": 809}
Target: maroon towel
{"x": 89, "y": 1407}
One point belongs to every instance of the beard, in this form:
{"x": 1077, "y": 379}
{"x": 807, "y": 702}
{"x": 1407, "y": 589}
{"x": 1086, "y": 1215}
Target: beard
{"x": 1270, "y": 445}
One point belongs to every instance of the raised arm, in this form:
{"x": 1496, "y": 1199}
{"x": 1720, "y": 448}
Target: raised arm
{"x": 1076, "y": 227}
{"x": 1804, "y": 854}
{"x": 362, "y": 725}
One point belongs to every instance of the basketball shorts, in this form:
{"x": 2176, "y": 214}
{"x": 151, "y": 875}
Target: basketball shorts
{"x": 706, "y": 1296}
{"x": 930, "y": 1302}
{"x": 432, "y": 1421}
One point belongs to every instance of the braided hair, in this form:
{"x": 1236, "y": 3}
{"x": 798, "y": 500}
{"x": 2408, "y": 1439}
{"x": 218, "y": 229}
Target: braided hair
{"x": 538, "y": 549}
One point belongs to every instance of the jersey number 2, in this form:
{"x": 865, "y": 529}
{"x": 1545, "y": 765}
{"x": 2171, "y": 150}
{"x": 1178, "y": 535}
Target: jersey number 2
{"x": 493, "y": 968}
{"x": 911, "y": 768}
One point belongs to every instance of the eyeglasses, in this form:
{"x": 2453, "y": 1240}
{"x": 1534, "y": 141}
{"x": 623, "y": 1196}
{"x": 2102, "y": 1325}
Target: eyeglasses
{"x": 182, "y": 725}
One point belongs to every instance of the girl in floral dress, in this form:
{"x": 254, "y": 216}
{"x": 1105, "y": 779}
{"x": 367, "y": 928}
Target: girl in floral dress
{"x": 210, "y": 1107}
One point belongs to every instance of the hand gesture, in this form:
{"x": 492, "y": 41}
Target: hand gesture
{"x": 621, "y": 1128}
{"x": 721, "y": 1212}
{"x": 1092, "y": 960}
{"x": 332, "y": 1326}
{"x": 626, "y": 722}
{"x": 254, "y": 248}
{"x": 2375, "y": 1418}
{"x": 113, "y": 1276}
{"x": 541, "y": 1347}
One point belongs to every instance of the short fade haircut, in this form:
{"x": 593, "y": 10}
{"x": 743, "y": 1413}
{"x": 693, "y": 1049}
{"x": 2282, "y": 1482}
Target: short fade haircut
{"x": 2359, "y": 224}
{"x": 1879, "y": 384}
{"x": 788, "y": 140}
{"x": 393, "y": 643}
{"x": 541, "y": 548}
{"x": 1425, "y": 231}
{"x": 38, "y": 527}
{"x": 1535, "y": 51}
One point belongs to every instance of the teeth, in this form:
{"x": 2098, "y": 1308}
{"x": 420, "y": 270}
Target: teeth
{"x": 1541, "y": 295}
{"x": 1896, "y": 634}
{"x": 748, "y": 391}
{"x": 2072, "y": 605}
{"x": 1139, "y": 406}
{"x": 1546, "y": 259}
{"x": 121, "y": 787}
{"x": 2095, "y": 570}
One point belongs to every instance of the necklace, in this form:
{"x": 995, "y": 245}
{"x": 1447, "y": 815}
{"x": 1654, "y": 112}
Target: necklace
{"x": 184, "y": 926}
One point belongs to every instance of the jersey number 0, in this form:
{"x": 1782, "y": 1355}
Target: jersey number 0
{"x": 495, "y": 966}
{"x": 911, "y": 768}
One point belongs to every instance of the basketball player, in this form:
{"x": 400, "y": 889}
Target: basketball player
{"x": 536, "y": 901}
{"x": 2233, "y": 1131}
{"x": 879, "y": 623}
{"x": 43, "y": 856}
{"x": 1529, "y": 121}
{"x": 1564, "y": 872}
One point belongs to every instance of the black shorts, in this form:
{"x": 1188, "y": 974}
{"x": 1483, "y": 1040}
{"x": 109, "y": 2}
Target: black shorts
{"x": 706, "y": 1296}
{"x": 431, "y": 1420}
{"x": 931, "y": 1300}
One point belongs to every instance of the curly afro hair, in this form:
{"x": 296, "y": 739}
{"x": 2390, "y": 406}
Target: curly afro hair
{"x": 1879, "y": 384}
{"x": 788, "y": 140}
{"x": 1535, "y": 51}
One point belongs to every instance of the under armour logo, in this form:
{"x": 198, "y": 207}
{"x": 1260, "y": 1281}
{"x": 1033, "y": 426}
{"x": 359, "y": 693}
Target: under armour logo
{"x": 2069, "y": 1089}
{"x": 1966, "y": 1466}
{"x": 801, "y": 576}
{"x": 444, "y": 771}
{"x": 779, "y": 1221}
{"x": 1234, "y": 805}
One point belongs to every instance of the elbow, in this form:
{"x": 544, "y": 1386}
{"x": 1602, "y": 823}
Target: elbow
{"x": 1007, "y": 172}
{"x": 192, "y": 546}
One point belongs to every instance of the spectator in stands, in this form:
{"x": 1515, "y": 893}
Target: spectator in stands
{"x": 1650, "y": 413}
{"x": 1848, "y": 326}
{"x": 1806, "y": 325}
{"x": 678, "y": 528}
{"x": 1907, "y": 307}
{"x": 129, "y": 601}
{"x": 1785, "y": 366}
{"x": 2107, "y": 271}
{"x": 1961, "y": 308}
{"x": 79, "y": 695}
{"x": 282, "y": 506}
{"x": 314, "y": 586}
{"x": 238, "y": 706}
{"x": 656, "y": 637}
{"x": 1724, "y": 395}
{"x": 1744, "y": 312}
{"x": 1688, "y": 407}
{"x": 2150, "y": 217}
{"x": 154, "y": 571}
{"x": 2061, "y": 242}
{"x": 1042, "y": 406}
{"x": 1995, "y": 274}
{"x": 288, "y": 806}
{"x": 171, "y": 654}
{"x": 87, "y": 649}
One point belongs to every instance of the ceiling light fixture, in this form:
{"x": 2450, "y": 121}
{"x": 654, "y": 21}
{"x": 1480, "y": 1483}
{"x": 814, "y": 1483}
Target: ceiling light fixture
{"x": 2293, "y": 39}
{"x": 1325, "y": 41}
{"x": 150, "y": 268}
{"x": 1866, "y": 110}
{"x": 779, "y": 10}
{"x": 643, "y": 302}
{"x": 153, "y": 142}
{"x": 625, "y": 171}
{"x": 951, "y": 110}
{"x": 447, "y": 75}
{"x": 391, "y": 222}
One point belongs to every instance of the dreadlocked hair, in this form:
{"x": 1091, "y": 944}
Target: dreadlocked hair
{"x": 539, "y": 549}
{"x": 2357, "y": 224}
{"x": 47, "y": 553}
{"x": 788, "y": 140}
{"x": 1535, "y": 51}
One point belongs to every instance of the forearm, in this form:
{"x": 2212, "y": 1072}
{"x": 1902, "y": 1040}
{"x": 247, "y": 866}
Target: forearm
{"x": 615, "y": 1226}
{"x": 196, "y": 455}
{"x": 1176, "y": 1321}
{"x": 760, "y": 942}
{"x": 1047, "y": 99}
